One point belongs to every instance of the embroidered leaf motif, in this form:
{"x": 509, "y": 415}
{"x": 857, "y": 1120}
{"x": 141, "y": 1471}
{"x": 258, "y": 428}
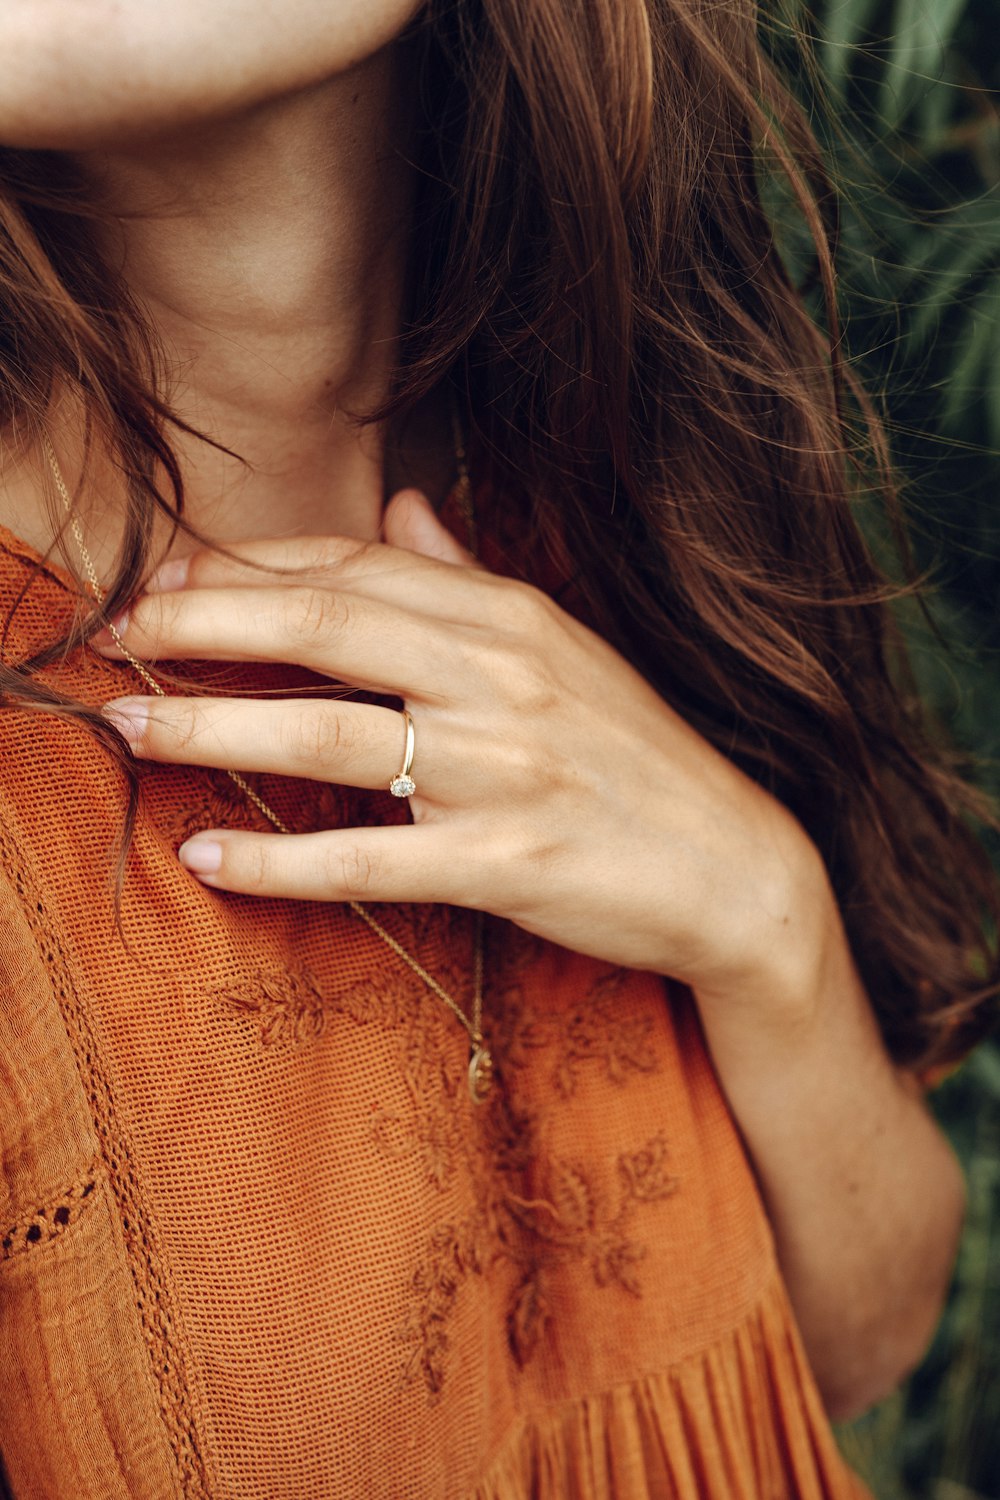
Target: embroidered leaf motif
{"x": 513, "y": 1138}
{"x": 383, "y": 1000}
{"x": 538, "y": 1217}
{"x": 630, "y": 1047}
{"x": 530, "y": 1034}
{"x": 430, "y": 1080}
{"x": 439, "y": 1152}
{"x": 529, "y": 1313}
{"x": 435, "y": 1349}
{"x": 434, "y": 1286}
{"x": 614, "y": 1260}
{"x": 598, "y": 1030}
{"x": 289, "y": 1004}
{"x": 436, "y": 1128}
{"x": 565, "y": 1077}
{"x": 565, "y": 1217}
{"x": 472, "y": 1249}
{"x": 571, "y": 1197}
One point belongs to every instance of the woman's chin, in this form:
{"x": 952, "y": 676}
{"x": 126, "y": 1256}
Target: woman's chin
{"x": 91, "y": 75}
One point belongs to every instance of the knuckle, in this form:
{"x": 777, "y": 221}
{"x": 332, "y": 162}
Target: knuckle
{"x": 538, "y": 850}
{"x": 516, "y": 762}
{"x": 312, "y": 737}
{"x": 514, "y": 654}
{"x": 527, "y": 682}
{"x": 525, "y": 608}
{"x": 354, "y": 870}
{"x": 255, "y": 865}
{"x": 315, "y": 616}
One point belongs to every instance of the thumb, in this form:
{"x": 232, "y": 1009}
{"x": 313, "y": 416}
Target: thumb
{"x": 410, "y": 521}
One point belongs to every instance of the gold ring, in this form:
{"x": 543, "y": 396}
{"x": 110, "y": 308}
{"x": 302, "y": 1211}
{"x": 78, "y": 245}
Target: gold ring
{"x": 403, "y": 784}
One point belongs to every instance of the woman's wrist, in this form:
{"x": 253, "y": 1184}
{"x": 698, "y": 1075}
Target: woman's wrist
{"x": 787, "y": 933}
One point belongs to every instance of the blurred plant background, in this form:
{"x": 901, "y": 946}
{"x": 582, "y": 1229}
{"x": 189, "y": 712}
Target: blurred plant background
{"x": 907, "y": 100}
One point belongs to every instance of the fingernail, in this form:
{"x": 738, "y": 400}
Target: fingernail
{"x": 201, "y": 856}
{"x": 170, "y": 575}
{"x": 129, "y": 716}
{"x": 107, "y": 640}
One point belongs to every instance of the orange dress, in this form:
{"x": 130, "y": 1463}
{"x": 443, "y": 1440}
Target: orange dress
{"x": 258, "y": 1243}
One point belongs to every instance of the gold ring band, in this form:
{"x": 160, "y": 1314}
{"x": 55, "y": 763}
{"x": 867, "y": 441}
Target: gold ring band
{"x": 403, "y": 784}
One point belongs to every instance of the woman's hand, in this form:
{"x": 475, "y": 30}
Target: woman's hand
{"x": 554, "y": 787}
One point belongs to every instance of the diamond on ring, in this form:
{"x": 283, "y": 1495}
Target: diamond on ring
{"x": 403, "y": 784}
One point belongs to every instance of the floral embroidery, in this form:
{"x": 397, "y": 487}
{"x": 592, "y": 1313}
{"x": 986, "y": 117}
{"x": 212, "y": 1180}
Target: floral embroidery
{"x": 396, "y": 999}
{"x": 527, "y": 1318}
{"x": 434, "y": 1128}
{"x": 595, "y": 1031}
{"x": 451, "y": 1254}
{"x": 383, "y": 1000}
{"x": 567, "y": 1221}
{"x": 534, "y": 1211}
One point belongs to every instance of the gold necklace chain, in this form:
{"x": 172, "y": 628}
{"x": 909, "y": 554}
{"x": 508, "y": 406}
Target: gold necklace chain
{"x": 480, "y": 1072}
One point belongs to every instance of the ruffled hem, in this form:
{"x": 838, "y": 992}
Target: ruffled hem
{"x": 741, "y": 1421}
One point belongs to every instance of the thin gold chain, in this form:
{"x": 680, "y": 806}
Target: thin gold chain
{"x": 480, "y": 1066}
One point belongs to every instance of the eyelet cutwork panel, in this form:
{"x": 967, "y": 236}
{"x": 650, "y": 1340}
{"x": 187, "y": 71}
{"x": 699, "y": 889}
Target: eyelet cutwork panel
{"x": 153, "y": 1301}
{"x": 46, "y": 1223}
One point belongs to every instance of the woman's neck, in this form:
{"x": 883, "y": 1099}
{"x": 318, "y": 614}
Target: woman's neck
{"x": 269, "y": 253}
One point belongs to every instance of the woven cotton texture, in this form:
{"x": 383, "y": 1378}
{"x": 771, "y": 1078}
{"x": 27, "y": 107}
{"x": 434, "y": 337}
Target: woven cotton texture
{"x": 257, "y": 1243}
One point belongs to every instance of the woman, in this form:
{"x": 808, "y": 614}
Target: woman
{"x": 317, "y": 1184}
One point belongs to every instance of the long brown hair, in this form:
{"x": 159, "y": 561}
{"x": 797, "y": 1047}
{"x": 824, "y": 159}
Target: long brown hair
{"x": 600, "y": 284}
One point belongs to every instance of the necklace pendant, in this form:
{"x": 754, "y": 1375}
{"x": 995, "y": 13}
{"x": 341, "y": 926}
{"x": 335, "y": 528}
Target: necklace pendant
{"x": 480, "y": 1073}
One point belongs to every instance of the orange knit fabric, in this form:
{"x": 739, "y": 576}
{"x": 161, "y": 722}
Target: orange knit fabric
{"x": 257, "y": 1243}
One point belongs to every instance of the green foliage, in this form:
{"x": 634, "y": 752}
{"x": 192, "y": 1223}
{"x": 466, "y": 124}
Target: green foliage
{"x": 906, "y": 97}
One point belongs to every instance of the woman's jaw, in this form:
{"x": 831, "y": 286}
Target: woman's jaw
{"x": 86, "y": 74}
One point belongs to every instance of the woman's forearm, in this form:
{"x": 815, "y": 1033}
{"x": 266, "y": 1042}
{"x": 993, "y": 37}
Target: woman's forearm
{"x": 864, "y": 1193}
